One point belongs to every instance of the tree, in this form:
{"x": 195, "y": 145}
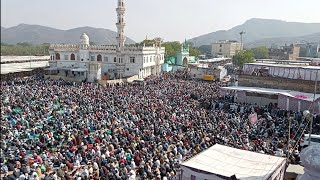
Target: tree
{"x": 260, "y": 52}
{"x": 172, "y": 48}
{"x": 24, "y": 44}
{"x": 205, "y": 49}
{"x": 24, "y": 49}
{"x": 242, "y": 57}
{"x": 194, "y": 52}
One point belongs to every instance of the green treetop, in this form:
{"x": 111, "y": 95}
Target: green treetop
{"x": 243, "y": 57}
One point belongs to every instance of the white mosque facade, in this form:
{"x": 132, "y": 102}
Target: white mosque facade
{"x": 85, "y": 62}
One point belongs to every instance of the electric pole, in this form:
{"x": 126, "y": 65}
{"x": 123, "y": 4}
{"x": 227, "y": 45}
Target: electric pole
{"x": 241, "y": 36}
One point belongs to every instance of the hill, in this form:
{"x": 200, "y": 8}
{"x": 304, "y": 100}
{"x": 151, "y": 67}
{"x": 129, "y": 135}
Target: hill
{"x": 259, "y": 29}
{"x": 36, "y": 34}
{"x": 314, "y": 38}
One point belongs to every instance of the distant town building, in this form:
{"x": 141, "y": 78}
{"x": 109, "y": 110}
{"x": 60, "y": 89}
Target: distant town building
{"x": 85, "y": 62}
{"x": 309, "y": 50}
{"x": 290, "y": 52}
{"x": 274, "y": 46}
{"x": 225, "y": 48}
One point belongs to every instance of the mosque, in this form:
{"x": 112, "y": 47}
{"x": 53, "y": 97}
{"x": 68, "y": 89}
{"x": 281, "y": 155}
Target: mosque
{"x": 90, "y": 63}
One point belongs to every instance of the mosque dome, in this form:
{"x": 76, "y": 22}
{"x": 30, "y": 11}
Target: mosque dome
{"x": 84, "y": 39}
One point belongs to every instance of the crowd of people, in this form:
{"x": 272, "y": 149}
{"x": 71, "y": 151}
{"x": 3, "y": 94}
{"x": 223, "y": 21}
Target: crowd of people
{"x": 53, "y": 129}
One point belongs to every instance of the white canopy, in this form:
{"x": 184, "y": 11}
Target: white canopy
{"x": 289, "y": 93}
{"x": 225, "y": 161}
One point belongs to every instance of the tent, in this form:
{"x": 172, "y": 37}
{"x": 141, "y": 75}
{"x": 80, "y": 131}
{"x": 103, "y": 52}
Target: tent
{"x": 223, "y": 162}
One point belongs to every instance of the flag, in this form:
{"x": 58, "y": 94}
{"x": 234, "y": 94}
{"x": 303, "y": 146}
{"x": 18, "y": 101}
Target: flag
{"x": 253, "y": 118}
{"x": 99, "y": 74}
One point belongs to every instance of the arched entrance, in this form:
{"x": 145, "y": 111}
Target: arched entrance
{"x": 99, "y": 58}
{"x": 73, "y": 57}
{"x": 185, "y": 62}
{"x": 57, "y": 56}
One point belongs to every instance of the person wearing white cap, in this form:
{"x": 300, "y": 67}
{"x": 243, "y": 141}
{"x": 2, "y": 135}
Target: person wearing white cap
{"x": 132, "y": 174}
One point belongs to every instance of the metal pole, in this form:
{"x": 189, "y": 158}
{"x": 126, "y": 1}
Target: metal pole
{"x": 241, "y": 42}
{"x": 313, "y": 104}
{"x": 30, "y": 57}
{"x": 289, "y": 138}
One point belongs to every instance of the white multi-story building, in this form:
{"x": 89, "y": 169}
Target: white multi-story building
{"x": 225, "y": 49}
{"x": 85, "y": 62}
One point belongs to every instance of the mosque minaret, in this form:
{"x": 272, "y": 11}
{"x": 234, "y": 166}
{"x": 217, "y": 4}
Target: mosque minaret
{"x": 120, "y": 25}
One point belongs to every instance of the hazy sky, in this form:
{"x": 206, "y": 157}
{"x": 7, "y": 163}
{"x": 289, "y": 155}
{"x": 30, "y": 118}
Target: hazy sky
{"x": 169, "y": 19}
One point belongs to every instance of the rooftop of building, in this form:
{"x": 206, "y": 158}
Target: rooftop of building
{"x": 213, "y": 60}
{"x": 295, "y": 94}
{"x": 285, "y": 65}
{"x": 102, "y": 47}
{"x": 205, "y": 66}
{"x": 227, "y": 161}
{"x": 7, "y": 59}
{"x": 225, "y": 42}
{"x": 22, "y": 67}
{"x": 289, "y": 61}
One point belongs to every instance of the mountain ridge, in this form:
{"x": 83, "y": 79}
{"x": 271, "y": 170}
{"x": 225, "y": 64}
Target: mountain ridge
{"x": 268, "y": 42}
{"x": 258, "y": 29}
{"x": 38, "y": 34}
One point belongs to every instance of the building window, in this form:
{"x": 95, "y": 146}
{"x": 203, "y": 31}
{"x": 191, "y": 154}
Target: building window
{"x": 144, "y": 59}
{"x": 106, "y": 59}
{"x": 220, "y": 45}
{"x": 132, "y": 60}
{"x": 120, "y": 60}
{"x": 220, "y": 50}
{"x": 82, "y": 73}
{"x": 57, "y": 56}
{"x": 115, "y": 59}
{"x": 81, "y": 59}
{"x": 99, "y": 58}
{"x": 147, "y": 59}
{"x": 66, "y": 57}
{"x": 92, "y": 58}
{"x": 73, "y": 57}
{"x": 127, "y": 69}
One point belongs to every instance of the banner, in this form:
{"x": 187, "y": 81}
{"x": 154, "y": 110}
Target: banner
{"x": 99, "y": 74}
{"x": 253, "y": 118}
